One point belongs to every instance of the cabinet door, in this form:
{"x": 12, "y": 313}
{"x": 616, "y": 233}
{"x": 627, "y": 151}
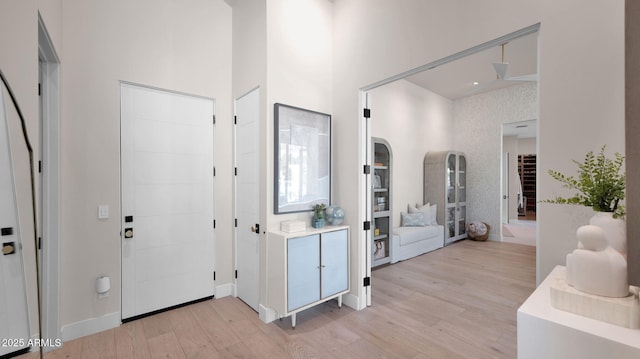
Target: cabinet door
{"x": 335, "y": 262}
{"x": 462, "y": 195}
{"x": 303, "y": 271}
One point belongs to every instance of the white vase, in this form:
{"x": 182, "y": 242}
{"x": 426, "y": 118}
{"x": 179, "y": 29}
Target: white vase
{"x": 614, "y": 228}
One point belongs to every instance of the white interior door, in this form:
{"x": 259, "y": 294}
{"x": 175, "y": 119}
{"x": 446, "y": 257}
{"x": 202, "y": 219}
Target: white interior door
{"x": 248, "y": 198}
{"x": 167, "y": 199}
{"x": 14, "y": 319}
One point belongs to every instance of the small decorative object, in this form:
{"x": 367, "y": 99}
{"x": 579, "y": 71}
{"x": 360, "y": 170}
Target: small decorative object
{"x": 292, "y": 226}
{"x": 595, "y": 267}
{"x": 379, "y": 251}
{"x": 318, "y": 215}
{"x": 600, "y": 185}
{"x": 377, "y": 183}
{"x": 334, "y": 215}
{"x": 478, "y": 231}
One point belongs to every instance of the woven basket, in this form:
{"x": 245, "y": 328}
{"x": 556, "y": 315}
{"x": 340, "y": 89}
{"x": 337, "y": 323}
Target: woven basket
{"x": 480, "y": 237}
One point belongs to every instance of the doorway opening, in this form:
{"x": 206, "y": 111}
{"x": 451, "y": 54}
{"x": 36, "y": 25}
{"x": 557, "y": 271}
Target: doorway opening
{"x": 442, "y": 133}
{"x": 48, "y": 198}
{"x": 519, "y": 158}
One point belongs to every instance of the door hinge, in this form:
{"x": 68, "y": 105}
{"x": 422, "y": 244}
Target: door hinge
{"x": 39, "y": 242}
{"x": 367, "y": 113}
{"x": 39, "y": 89}
{"x": 214, "y": 171}
{"x": 214, "y": 275}
{"x": 235, "y": 120}
{"x": 214, "y": 119}
{"x": 236, "y": 222}
{"x": 236, "y": 274}
{"x": 367, "y": 169}
{"x": 214, "y": 223}
{"x": 235, "y": 171}
{"x": 39, "y": 166}
{"x": 366, "y": 225}
{"x": 366, "y": 282}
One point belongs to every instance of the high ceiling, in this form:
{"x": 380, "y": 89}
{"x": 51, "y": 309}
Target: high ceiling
{"x": 455, "y": 79}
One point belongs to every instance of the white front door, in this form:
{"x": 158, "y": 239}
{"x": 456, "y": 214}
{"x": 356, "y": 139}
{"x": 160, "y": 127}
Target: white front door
{"x": 248, "y": 198}
{"x": 167, "y": 199}
{"x": 14, "y": 319}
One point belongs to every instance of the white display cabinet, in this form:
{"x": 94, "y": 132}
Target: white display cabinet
{"x": 306, "y": 268}
{"x": 445, "y": 184}
{"x": 381, "y": 202}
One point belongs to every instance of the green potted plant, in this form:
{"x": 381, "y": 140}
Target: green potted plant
{"x": 318, "y": 215}
{"x": 601, "y": 186}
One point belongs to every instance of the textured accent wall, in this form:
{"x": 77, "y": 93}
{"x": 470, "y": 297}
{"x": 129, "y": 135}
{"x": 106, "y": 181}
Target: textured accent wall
{"x": 477, "y": 130}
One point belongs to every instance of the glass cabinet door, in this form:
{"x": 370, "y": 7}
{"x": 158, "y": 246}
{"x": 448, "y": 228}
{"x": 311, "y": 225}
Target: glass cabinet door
{"x": 462, "y": 195}
{"x": 462, "y": 179}
{"x": 451, "y": 178}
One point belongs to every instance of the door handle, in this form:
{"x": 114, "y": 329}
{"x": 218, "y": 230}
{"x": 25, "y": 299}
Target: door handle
{"x": 255, "y": 228}
{"x": 128, "y": 233}
{"x": 8, "y": 248}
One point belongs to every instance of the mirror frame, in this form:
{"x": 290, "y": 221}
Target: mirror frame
{"x": 284, "y": 117}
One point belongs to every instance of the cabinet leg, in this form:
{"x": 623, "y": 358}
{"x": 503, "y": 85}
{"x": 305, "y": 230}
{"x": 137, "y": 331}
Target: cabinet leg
{"x": 340, "y": 301}
{"x": 293, "y": 321}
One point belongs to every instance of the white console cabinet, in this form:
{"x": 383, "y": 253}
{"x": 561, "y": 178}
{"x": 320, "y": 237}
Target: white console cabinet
{"x": 306, "y": 268}
{"x": 550, "y": 333}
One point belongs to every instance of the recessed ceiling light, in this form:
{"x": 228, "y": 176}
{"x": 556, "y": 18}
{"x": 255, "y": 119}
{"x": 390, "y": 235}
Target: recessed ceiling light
{"x": 476, "y": 83}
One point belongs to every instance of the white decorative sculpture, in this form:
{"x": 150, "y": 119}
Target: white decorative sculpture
{"x": 595, "y": 267}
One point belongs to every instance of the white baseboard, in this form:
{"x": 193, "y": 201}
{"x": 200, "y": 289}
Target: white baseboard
{"x": 91, "y": 326}
{"x": 225, "y": 290}
{"x": 351, "y": 301}
{"x": 267, "y": 315}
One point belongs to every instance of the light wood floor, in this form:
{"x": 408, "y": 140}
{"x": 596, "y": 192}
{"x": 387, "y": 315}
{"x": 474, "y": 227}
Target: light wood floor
{"x": 456, "y": 302}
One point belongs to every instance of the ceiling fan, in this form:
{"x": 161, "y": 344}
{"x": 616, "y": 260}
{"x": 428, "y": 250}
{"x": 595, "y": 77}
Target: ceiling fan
{"x": 502, "y": 76}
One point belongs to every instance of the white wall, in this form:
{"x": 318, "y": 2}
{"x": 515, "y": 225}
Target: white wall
{"x": 574, "y": 99}
{"x": 414, "y": 121}
{"x": 299, "y": 63}
{"x": 157, "y": 43}
{"x": 477, "y": 131}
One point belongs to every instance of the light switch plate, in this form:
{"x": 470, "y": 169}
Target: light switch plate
{"x": 103, "y": 212}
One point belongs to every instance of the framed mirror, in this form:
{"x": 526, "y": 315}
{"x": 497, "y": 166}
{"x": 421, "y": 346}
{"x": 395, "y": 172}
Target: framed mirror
{"x": 19, "y": 308}
{"x": 302, "y": 159}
